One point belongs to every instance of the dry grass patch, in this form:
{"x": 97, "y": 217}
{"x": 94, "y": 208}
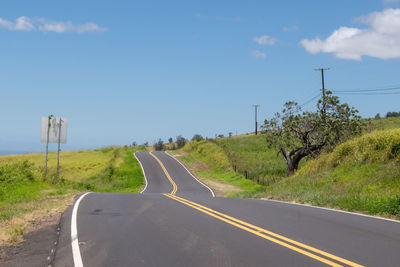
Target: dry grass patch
{"x": 13, "y": 229}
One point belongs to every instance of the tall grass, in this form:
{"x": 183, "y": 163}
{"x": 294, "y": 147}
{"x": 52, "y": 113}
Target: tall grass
{"x": 378, "y": 146}
{"x": 384, "y": 124}
{"x": 252, "y": 154}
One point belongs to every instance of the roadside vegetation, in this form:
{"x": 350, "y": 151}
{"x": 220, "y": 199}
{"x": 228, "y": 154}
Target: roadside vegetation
{"x": 25, "y": 196}
{"x": 359, "y": 175}
{"x": 210, "y": 164}
{"x": 362, "y": 174}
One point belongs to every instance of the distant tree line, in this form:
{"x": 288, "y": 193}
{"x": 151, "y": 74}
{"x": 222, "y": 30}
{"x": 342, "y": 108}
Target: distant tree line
{"x": 180, "y": 142}
{"x": 390, "y": 114}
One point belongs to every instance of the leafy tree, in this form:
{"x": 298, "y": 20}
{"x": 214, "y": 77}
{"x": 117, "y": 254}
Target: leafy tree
{"x": 134, "y": 143}
{"x": 159, "y": 145}
{"x": 377, "y": 116}
{"x": 298, "y": 134}
{"x": 220, "y": 136}
{"x": 180, "y": 141}
{"x": 146, "y": 143}
{"x": 170, "y": 140}
{"x": 230, "y": 134}
{"x": 197, "y": 137}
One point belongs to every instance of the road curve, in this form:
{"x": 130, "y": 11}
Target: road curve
{"x": 184, "y": 225}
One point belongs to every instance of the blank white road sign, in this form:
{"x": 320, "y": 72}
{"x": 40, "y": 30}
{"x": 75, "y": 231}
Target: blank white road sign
{"x": 54, "y": 130}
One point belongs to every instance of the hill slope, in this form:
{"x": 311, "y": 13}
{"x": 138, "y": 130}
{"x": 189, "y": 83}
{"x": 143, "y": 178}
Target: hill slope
{"x": 359, "y": 175}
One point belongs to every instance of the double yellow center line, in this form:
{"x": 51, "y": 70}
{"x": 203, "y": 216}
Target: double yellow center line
{"x": 301, "y": 248}
{"x": 174, "y": 187}
{"x": 273, "y": 237}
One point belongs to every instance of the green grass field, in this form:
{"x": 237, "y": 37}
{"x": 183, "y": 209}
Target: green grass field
{"x": 24, "y": 193}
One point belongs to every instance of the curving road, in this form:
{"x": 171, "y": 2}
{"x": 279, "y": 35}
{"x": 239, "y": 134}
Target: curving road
{"x": 176, "y": 221}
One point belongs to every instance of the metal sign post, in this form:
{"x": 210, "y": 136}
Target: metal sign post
{"x": 54, "y": 130}
{"x": 58, "y": 151}
{"x": 47, "y": 145}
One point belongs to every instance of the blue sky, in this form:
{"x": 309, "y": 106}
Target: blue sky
{"x": 124, "y": 71}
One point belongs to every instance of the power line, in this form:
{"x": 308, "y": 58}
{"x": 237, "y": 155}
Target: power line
{"x": 350, "y": 93}
{"x": 367, "y": 90}
{"x": 310, "y": 100}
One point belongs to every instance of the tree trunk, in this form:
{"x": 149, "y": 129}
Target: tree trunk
{"x": 292, "y": 159}
{"x": 292, "y": 166}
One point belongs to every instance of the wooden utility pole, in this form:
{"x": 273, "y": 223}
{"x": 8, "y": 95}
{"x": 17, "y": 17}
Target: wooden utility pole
{"x": 255, "y": 117}
{"x": 323, "y": 111}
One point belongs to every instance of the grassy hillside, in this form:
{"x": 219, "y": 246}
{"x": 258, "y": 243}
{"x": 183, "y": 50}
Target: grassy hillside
{"x": 384, "y": 124}
{"x": 209, "y": 162}
{"x": 250, "y": 153}
{"x": 25, "y": 195}
{"x": 359, "y": 175}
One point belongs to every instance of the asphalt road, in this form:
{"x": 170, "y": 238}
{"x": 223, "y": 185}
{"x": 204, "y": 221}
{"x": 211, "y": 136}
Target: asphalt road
{"x": 176, "y": 221}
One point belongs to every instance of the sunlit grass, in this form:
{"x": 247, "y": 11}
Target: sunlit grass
{"x": 209, "y": 162}
{"x": 359, "y": 175}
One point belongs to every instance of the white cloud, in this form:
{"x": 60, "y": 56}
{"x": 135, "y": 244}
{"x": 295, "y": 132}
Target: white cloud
{"x": 381, "y": 38}
{"x": 40, "y": 24}
{"x": 290, "y": 28}
{"x": 24, "y": 24}
{"x": 265, "y": 40}
{"x": 5, "y": 24}
{"x": 258, "y": 54}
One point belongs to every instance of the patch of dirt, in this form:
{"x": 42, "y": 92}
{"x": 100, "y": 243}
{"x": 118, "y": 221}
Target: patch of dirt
{"x": 200, "y": 166}
{"x": 11, "y": 230}
{"x": 221, "y": 189}
{"x": 38, "y": 247}
{"x": 180, "y": 154}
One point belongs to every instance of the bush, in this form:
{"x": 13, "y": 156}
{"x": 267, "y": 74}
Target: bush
{"x": 197, "y": 137}
{"x": 159, "y": 145}
{"x": 180, "y": 141}
{"x": 19, "y": 172}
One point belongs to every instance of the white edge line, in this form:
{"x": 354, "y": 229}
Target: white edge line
{"x": 212, "y": 192}
{"x": 330, "y": 209}
{"x": 76, "y": 253}
{"x": 144, "y": 173}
